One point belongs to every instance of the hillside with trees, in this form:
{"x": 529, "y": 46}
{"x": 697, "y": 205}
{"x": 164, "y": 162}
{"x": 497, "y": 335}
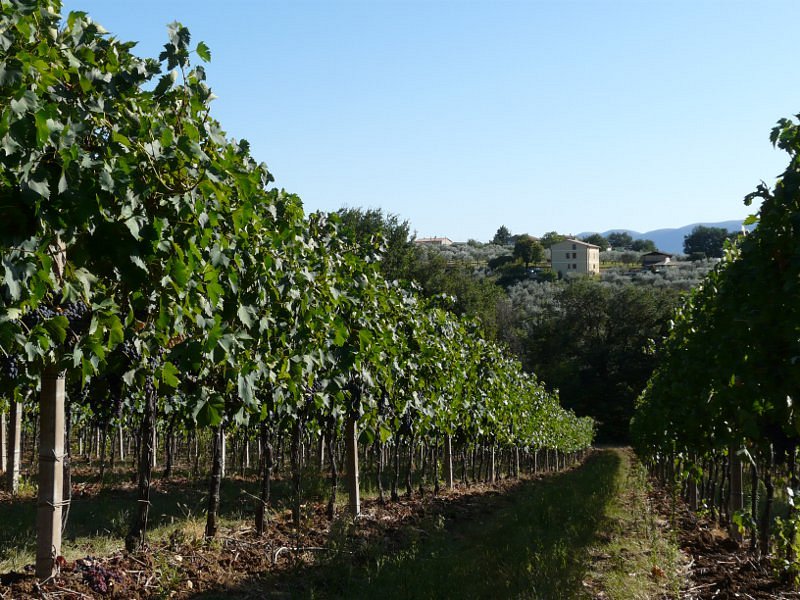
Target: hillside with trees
{"x": 671, "y": 239}
{"x": 595, "y": 341}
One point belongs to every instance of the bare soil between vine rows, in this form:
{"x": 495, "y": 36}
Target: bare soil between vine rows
{"x": 183, "y": 568}
{"x": 718, "y": 567}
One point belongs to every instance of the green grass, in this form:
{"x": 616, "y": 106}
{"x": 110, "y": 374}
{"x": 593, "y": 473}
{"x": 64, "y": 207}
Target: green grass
{"x": 533, "y": 542}
{"x": 569, "y": 536}
{"x": 637, "y": 557}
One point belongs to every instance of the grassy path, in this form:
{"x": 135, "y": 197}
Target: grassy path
{"x": 533, "y": 545}
{"x": 572, "y": 535}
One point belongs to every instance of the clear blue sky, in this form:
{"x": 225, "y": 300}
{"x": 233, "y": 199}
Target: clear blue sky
{"x": 461, "y": 116}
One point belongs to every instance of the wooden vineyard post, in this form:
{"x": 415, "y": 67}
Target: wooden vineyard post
{"x": 136, "y": 538}
{"x": 736, "y": 493}
{"x": 212, "y": 517}
{"x": 265, "y": 465}
{"x": 693, "y": 495}
{"x": 15, "y": 447}
{"x": 51, "y": 473}
{"x": 694, "y": 500}
{"x": 223, "y": 453}
{"x": 448, "y": 461}
{"x": 154, "y": 456}
{"x": 351, "y": 448}
{"x": 121, "y": 443}
{"x": 3, "y": 443}
{"x": 321, "y": 452}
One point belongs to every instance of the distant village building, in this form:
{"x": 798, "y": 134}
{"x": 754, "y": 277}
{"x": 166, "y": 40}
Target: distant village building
{"x": 655, "y": 259}
{"x": 435, "y": 241}
{"x": 575, "y": 256}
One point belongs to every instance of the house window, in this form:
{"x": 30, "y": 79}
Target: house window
{"x": 574, "y": 266}
{"x": 574, "y": 247}
{"x": 568, "y": 255}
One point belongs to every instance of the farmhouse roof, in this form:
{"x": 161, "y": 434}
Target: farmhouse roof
{"x": 572, "y": 241}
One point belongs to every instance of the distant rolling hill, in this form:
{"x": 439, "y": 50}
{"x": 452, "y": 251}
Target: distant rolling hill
{"x": 670, "y": 240}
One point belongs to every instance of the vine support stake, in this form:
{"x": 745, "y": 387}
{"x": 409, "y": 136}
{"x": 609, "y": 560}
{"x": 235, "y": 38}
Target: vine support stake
{"x": 3, "y": 443}
{"x": 51, "y": 473}
{"x": 351, "y": 447}
{"x": 448, "y": 461}
{"x": 15, "y": 447}
{"x": 737, "y": 493}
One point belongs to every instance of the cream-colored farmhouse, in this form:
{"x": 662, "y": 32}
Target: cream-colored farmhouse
{"x": 574, "y": 256}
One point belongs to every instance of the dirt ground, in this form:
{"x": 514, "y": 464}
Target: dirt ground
{"x": 185, "y": 568}
{"x": 717, "y": 567}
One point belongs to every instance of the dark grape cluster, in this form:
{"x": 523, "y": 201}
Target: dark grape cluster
{"x": 104, "y": 395}
{"x": 130, "y": 352}
{"x": 158, "y": 357}
{"x": 40, "y": 314}
{"x": 96, "y": 576}
{"x": 191, "y": 382}
{"x": 384, "y": 403}
{"x": 149, "y": 387}
{"x": 406, "y": 423}
{"x": 9, "y": 367}
{"x": 312, "y": 389}
{"x": 77, "y": 313}
{"x": 75, "y": 391}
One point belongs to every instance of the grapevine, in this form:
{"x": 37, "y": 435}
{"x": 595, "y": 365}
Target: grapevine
{"x": 726, "y": 389}
{"x": 163, "y": 275}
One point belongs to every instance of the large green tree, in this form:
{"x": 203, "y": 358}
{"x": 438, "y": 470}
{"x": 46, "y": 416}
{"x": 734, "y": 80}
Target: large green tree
{"x": 643, "y": 245}
{"x": 373, "y": 231}
{"x": 620, "y": 240}
{"x": 594, "y": 343}
{"x": 469, "y": 295}
{"x": 528, "y": 250}
{"x": 550, "y": 238}
{"x": 502, "y": 236}
{"x": 705, "y": 241}
{"x": 597, "y": 240}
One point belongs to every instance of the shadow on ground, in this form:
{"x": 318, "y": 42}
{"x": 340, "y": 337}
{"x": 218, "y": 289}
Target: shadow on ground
{"x": 108, "y": 511}
{"x": 532, "y": 542}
